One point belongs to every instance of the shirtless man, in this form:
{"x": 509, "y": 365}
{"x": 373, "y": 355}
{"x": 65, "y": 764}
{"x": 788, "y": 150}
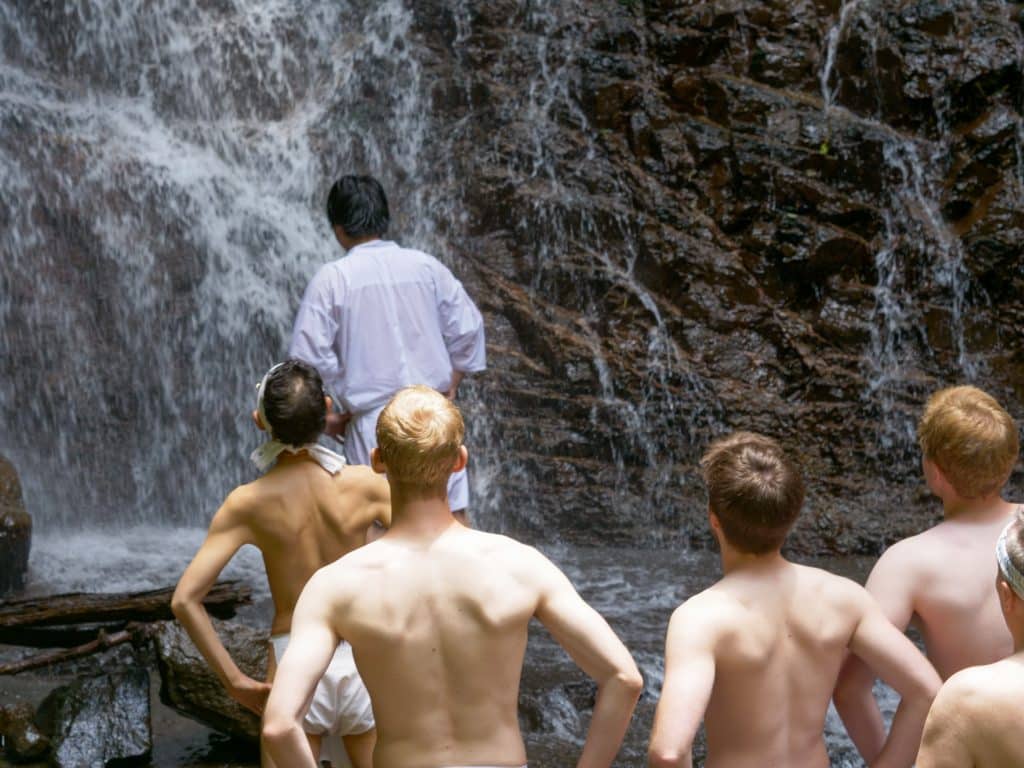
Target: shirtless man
{"x": 970, "y": 445}
{"x": 437, "y": 616}
{"x": 757, "y": 654}
{"x": 978, "y": 716}
{"x": 306, "y": 511}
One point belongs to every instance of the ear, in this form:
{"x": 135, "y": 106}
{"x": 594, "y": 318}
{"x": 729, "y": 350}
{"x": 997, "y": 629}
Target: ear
{"x": 259, "y": 422}
{"x": 1007, "y": 599}
{"x": 341, "y": 236}
{"x": 328, "y": 403}
{"x": 461, "y": 461}
{"x": 377, "y": 462}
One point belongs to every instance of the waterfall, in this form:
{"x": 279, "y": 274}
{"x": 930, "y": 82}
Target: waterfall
{"x": 163, "y": 171}
{"x": 917, "y": 245}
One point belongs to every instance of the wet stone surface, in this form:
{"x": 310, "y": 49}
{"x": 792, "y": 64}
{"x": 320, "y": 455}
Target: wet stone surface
{"x": 98, "y": 720}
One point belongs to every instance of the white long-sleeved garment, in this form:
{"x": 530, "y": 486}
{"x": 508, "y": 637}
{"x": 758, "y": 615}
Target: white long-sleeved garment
{"x": 382, "y": 318}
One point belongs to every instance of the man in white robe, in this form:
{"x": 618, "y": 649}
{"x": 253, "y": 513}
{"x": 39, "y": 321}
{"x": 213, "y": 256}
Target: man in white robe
{"x": 382, "y": 318}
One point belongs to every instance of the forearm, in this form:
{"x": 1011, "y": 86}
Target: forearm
{"x": 856, "y": 705}
{"x": 616, "y": 698}
{"x": 194, "y": 618}
{"x": 901, "y": 747}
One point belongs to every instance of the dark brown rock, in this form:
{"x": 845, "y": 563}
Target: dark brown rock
{"x": 23, "y": 741}
{"x": 15, "y": 530}
{"x": 189, "y": 685}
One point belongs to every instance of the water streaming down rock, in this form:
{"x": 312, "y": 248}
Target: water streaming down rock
{"x": 673, "y": 227}
{"x": 162, "y": 176}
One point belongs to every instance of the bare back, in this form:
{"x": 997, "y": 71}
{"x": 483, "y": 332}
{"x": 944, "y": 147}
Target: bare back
{"x": 779, "y": 640}
{"x": 978, "y": 719}
{"x": 947, "y": 574}
{"x": 439, "y": 631}
{"x": 302, "y": 518}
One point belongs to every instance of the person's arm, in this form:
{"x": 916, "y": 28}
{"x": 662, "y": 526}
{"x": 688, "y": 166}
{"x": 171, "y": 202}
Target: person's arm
{"x": 689, "y": 679}
{"x": 310, "y": 648}
{"x": 226, "y": 536}
{"x": 597, "y": 650}
{"x": 944, "y": 743}
{"x": 890, "y": 584}
{"x": 462, "y": 327}
{"x": 314, "y": 335}
{"x": 898, "y": 662}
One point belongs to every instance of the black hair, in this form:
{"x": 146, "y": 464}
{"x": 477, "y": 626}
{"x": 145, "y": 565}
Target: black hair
{"x": 358, "y": 205}
{"x": 293, "y": 402}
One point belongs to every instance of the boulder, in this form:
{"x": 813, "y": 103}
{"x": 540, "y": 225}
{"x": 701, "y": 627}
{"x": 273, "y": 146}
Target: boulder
{"x": 23, "y": 741}
{"x": 189, "y": 685}
{"x": 99, "y": 721}
{"x": 15, "y": 530}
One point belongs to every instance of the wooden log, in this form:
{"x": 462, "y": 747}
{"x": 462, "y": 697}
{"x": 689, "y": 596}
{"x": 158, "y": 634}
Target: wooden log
{"x": 101, "y": 643}
{"x": 58, "y": 636}
{"x": 95, "y": 608}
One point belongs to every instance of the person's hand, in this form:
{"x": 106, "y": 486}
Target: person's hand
{"x": 251, "y": 694}
{"x": 336, "y": 423}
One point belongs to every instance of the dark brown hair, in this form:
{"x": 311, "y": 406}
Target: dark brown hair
{"x": 754, "y": 490}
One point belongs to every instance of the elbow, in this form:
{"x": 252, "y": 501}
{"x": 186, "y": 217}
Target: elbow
{"x": 660, "y": 757}
{"x": 275, "y": 728}
{"x": 179, "y": 605}
{"x": 632, "y": 682}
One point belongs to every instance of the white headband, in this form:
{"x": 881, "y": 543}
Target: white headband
{"x": 260, "y": 390}
{"x": 1009, "y": 571}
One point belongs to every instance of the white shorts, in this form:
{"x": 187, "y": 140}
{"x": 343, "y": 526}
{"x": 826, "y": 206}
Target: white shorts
{"x": 361, "y": 438}
{"x": 341, "y": 704}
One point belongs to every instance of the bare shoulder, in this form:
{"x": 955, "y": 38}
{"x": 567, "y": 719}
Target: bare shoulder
{"x": 836, "y": 589}
{"x": 706, "y": 617}
{"x": 357, "y": 478}
{"x": 239, "y": 506}
{"x": 910, "y": 560}
{"x": 980, "y": 688}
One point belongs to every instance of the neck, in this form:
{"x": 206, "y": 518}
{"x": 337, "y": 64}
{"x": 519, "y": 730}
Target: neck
{"x": 977, "y": 510}
{"x": 352, "y": 242}
{"x": 733, "y": 560}
{"x": 419, "y": 514}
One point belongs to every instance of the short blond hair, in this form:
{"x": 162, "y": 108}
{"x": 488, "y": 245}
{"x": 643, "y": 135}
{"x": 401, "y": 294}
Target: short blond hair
{"x": 970, "y": 438}
{"x": 754, "y": 489}
{"x": 419, "y": 434}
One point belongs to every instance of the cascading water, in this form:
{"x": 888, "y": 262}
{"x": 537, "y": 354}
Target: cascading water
{"x": 917, "y": 244}
{"x": 163, "y": 167}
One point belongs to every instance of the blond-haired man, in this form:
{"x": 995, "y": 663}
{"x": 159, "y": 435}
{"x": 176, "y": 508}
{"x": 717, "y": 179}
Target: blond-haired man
{"x": 978, "y": 716}
{"x": 757, "y": 654}
{"x": 306, "y": 511}
{"x": 941, "y": 580}
{"x": 437, "y": 615}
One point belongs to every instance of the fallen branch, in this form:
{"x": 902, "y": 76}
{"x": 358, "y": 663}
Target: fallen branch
{"x": 101, "y": 643}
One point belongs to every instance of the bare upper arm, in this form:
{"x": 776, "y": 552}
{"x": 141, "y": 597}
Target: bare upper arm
{"x": 575, "y": 625}
{"x": 229, "y": 531}
{"x": 893, "y": 581}
{"x": 883, "y": 647}
{"x": 946, "y": 742}
{"x": 689, "y": 679}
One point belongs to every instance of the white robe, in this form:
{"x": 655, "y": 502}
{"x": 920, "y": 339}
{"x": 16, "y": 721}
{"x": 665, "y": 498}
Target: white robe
{"x": 382, "y": 318}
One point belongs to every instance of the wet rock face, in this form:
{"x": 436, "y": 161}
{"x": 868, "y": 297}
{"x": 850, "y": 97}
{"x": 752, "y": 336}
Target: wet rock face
{"x": 188, "y": 685}
{"x": 684, "y": 219}
{"x": 99, "y": 721}
{"x": 15, "y": 530}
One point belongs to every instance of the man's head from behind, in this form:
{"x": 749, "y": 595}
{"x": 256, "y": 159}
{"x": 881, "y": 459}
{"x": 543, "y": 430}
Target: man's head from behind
{"x": 358, "y": 207}
{"x": 1010, "y": 581}
{"x": 291, "y": 404}
{"x": 754, "y": 491}
{"x": 419, "y": 440}
{"x": 971, "y": 439}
